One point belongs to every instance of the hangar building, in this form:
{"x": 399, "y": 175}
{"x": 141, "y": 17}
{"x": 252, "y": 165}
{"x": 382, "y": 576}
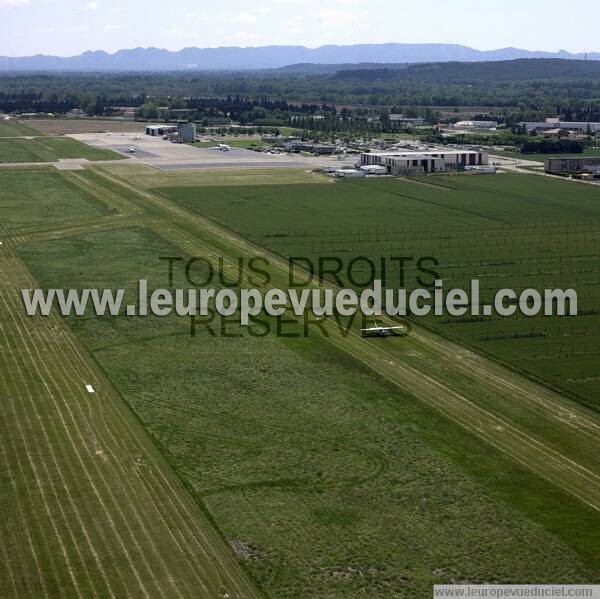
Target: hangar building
{"x": 160, "y": 130}
{"x": 572, "y": 165}
{"x": 416, "y": 162}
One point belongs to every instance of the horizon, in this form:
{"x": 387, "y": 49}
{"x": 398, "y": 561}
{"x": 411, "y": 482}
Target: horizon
{"x": 109, "y": 26}
{"x": 326, "y": 45}
{"x": 320, "y": 46}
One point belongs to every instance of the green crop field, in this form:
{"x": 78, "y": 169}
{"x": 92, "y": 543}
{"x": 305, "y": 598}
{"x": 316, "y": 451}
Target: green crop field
{"x": 50, "y": 149}
{"x": 294, "y": 466}
{"x": 42, "y": 197}
{"x": 12, "y": 128}
{"x": 590, "y": 152}
{"x": 508, "y": 231}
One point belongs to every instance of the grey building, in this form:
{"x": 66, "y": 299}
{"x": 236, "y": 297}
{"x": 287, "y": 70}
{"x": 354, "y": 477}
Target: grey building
{"x": 186, "y": 132}
{"x": 572, "y": 165}
{"x": 579, "y": 126}
{"x": 401, "y": 120}
{"x": 301, "y": 146}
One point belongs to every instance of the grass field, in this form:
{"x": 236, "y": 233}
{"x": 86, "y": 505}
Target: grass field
{"x": 289, "y": 131}
{"x": 244, "y": 143}
{"x": 12, "y": 128}
{"x": 50, "y": 149}
{"x": 348, "y": 470}
{"x": 145, "y": 177}
{"x": 66, "y": 126}
{"x": 592, "y": 152}
{"x": 330, "y": 467}
{"x": 514, "y": 231}
{"x": 44, "y": 196}
{"x": 90, "y": 508}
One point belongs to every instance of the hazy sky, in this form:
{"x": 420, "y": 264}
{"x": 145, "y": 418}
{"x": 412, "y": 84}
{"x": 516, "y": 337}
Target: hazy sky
{"x": 67, "y": 27}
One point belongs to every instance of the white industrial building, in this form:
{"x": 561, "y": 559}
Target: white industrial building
{"x": 160, "y": 130}
{"x": 549, "y": 124}
{"x": 374, "y": 169}
{"x": 348, "y": 173}
{"x": 491, "y": 125}
{"x": 418, "y": 162}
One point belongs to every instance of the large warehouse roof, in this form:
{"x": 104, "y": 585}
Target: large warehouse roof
{"x": 421, "y": 153}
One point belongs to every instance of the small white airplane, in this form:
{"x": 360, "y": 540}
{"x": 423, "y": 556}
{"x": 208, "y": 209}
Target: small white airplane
{"x": 381, "y": 331}
{"x": 224, "y": 147}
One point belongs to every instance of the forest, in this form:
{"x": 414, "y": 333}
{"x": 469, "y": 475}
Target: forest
{"x": 507, "y": 91}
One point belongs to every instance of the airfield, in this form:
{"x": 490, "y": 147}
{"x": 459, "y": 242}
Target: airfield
{"x": 293, "y": 465}
{"x": 164, "y": 155}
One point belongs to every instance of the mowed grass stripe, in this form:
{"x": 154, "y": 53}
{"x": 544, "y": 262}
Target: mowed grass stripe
{"x": 10, "y": 366}
{"x": 10, "y": 575}
{"x": 56, "y": 499}
{"x": 104, "y": 223}
{"x": 13, "y": 128}
{"x": 93, "y": 183}
{"x": 152, "y": 484}
{"x": 126, "y": 478}
{"x": 50, "y": 149}
{"x": 48, "y": 232}
{"x": 209, "y": 573}
{"x": 33, "y": 357}
{"x": 44, "y": 542}
{"x": 160, "y": 481}
{"x": 115, "y": 508}
{"x": 29, "y": 522}
{"x": 71, "y": 482}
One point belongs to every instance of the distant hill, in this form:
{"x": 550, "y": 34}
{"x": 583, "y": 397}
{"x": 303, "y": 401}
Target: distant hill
{"x": 270, "y": 57}
{"x": 460, "y": 72}
{"x": 310, "y": 68}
